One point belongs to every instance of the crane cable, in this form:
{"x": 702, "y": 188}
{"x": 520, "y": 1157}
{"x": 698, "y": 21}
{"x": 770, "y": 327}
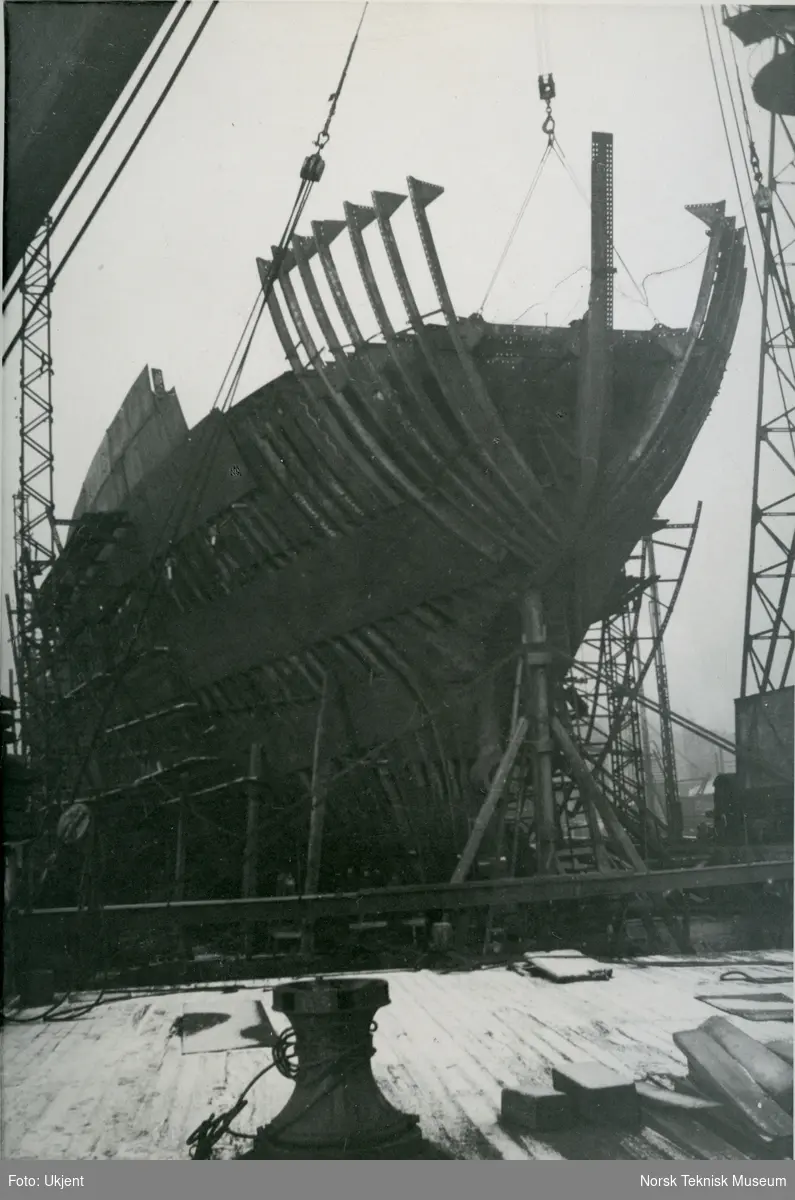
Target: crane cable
{"x": 729, "y": 146}
{"x": 310, "y": 175}
{"x": 113, "y": 179}
{"x": 546, "y": 92}
{"x": 109, "y": 135}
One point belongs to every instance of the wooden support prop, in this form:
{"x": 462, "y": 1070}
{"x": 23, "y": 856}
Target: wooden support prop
{"x": 490, "y": 803}
{"x": 181, "y": 854}
{"x": 534, "y": 632}
{"x": 250, "y": 854}
{"x": 317, "y": 817}
{"x": 181, "y": 862}
{"x": 251, "y": 848}
{"x": 604, "y": 808}
{"x": 402, "y": 823}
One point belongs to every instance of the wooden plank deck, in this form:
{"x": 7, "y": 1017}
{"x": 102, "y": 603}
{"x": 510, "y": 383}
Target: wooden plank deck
{"x": 116, "y": 1084}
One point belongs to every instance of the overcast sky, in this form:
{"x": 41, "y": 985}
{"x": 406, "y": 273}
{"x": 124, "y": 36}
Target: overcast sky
{"x": 446, "y": 92}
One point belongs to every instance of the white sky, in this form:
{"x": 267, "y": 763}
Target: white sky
{"x": 446, "y": 92}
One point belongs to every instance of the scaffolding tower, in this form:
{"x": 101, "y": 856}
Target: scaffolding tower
{"x": 769, "y": 637}
{"x": 36, "y": 538}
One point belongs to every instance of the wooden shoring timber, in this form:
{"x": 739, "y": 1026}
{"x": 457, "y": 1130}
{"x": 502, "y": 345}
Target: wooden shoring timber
{"x": 402, "y": 820}
{"x": 538, "y": 707}
{"x": 317, "y": 814}
{"x": 535, "y": 889}
{"x": 251, "y": 845}
{"x": 592, "y": 793}
{"x": 251, "y": 848}
{"x": 503, "y": 457}
{"x": 489, "y": 806}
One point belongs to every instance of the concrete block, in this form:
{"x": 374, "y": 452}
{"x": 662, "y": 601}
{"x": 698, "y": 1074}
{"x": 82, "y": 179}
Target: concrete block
{"x": 600, "y": 1095}
{"x": 537, "y": 1108}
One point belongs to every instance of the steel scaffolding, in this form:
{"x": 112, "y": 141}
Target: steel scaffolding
{"x": 769, "y": 636}
{"x": 36, "y": 539}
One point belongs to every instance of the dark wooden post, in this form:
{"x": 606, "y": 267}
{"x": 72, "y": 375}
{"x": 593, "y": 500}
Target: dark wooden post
{"x": 536, "y": 659}
{"x": 180, "y": 863}
{"x": 251, "y": 849}
{"x": 181, "y": 854}
{"x": 317, "y": 816}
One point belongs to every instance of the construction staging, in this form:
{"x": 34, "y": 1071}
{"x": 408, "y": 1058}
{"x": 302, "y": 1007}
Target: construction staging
{"x": 347, "y": 689}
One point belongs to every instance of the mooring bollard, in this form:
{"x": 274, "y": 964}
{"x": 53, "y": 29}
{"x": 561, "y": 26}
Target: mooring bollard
{"x": 337, "y": 1109}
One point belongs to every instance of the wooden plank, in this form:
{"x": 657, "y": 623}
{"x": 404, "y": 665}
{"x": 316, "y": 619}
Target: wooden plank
{"x": 772, "y": 1075}
{"x": 714, "y": 1069}
{"x": 753, "y": 1012}
{"x": 567, "y": 967}
{"x": 700, "y": 1143}
{"x": 672, "y": 1100}
{"x": 782, "y": 1049}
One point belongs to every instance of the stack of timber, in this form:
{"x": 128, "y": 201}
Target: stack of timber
{"x": 752, "y": 1082}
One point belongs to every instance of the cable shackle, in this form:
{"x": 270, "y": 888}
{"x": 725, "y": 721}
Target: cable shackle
{"x": 546, "y": 93}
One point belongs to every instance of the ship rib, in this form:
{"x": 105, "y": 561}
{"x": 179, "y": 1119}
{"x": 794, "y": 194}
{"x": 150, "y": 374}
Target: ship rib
{"x": 502, "y": 455}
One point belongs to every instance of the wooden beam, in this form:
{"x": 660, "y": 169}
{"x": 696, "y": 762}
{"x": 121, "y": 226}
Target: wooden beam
{"x": 535, "y": 889}
{"x": 498, "y": 783}
{"x": 587, "y": 783}
{"x": 181, "y": 853}
{"x": 536, "y": 659}
{"x": 250, "y": 853}
{"x": 317, "y": 815}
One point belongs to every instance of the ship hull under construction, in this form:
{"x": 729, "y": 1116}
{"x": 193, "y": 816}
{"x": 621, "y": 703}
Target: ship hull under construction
{"x": 324, "y": 593}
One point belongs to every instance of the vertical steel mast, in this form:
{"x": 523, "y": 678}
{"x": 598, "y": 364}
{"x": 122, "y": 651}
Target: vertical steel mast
{"x": 769, "y": 636}
{"x": 35, "y": 533}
